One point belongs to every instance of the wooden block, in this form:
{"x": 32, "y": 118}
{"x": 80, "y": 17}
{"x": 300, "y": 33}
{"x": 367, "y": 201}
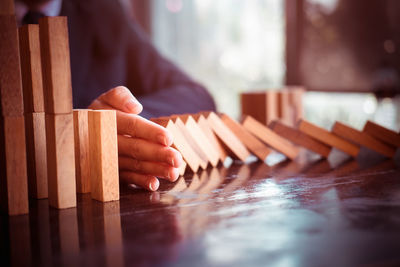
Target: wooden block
{"x": 82, "y": 160}
{"x": 328, "y": 138}
{"x": 31, "y": 68}
{"x": 296, "y": 94}
{"x": 61, "y": 160}
{"x": 285, "y": 112}
{"x": 13, "y": 176}
{"x": 7, "y": 7}
{"x": 10, "y": 71}
{"x": 263, "y": 106}
{"x": 299, "y": 138}
{"x": 269, "y": 137}
{"x": 252, "y": 143}
{"x": 180, "y": 143}
{"x": 36, "y": 154}
{"x": 361, "y": 138}
{"x": 104, "y": 181}
{"x": 386, "y": 135}
{"x": 228, "y": 138}
{"x": 56, "y": 65}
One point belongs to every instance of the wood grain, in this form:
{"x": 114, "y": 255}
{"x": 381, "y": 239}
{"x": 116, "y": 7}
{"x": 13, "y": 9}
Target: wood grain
{"x": 384, "y": 134}
{"x": 56, "y": 65}
{"x": 269, "y": 137}
{"x": 61, "y": 160}
{"x": 285, "y": 111}
{"x": 263, "y": 106}
{"x": 82, "y": 160}
{"x": 7, "y": 7}
{"x": 296, "y": 95}
{"x": 104, "y": 181}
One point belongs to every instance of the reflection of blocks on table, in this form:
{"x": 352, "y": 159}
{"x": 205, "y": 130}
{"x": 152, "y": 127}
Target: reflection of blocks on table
{"x": 82, "y": 160}
{"x": 361, "y": 138}
{"x": 299, "y": 138}
{"x": 269, "y": 137}
{"x": 379, "y": 132}
{"x": 328, "y": 138}
{"x": 263, "y": 106}
{"x": 104, "y": 177}
{"x": 252, "y": 143}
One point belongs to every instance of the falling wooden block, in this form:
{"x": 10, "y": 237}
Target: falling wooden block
{"x": 269, "y": 137}
{"x": 252, "y": 143}
{"x": 180, "y": 143}
{"x": 299, "y": 138}
{"x": 61, "y": 160}
{"x": 361, "y": 138}
{"x": 263, "y": 106}
{"x": 56, "y": 65}
{"x": 35, "y": 124}
{"x": 285, "y": 112}
{"x": 10, "y": 71}
{"x": 82, "y": 160}
{"x": 229, "y": 139}
{"x": 328, "y": 138}
{"x": 13, "y": 173}
{"x": 386, "y": 135}
{"x": 31, "y": 68}
{"x": 104, "y": 181}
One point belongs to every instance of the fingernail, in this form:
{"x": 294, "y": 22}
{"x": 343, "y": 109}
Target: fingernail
{"x": 162, "y": 140}
{"x": 172, "y": 162}
{"x": 133, "y": 106}
{"x": 174, "y": 174}
{"x": 154, "y": 185}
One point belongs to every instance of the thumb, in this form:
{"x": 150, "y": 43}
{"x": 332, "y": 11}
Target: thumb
{"x": 122, "y": 99}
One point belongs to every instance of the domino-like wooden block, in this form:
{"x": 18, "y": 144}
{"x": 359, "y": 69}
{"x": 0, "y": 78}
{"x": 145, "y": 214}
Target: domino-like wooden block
{"x": 285, "y": 112}
{"x": 252, "y": 143}
{"x": 10, "y": 71}
{"x": 61, "y": 160}
{"x": 361, "y": 138}
{"x": 13, "y": 172}
{"x": 386, "y": 135}
{"x": 269, "y": 137}
{"x": 36, "y": 154}
{"x": 296, "y": 94}
{"x": 104, "y": 181}
{"x": 263, "y": 106}
{"x": 56, "y": 65}
{"x": 328, "y": 138}
{"x": 299, "y": 138}
{"x": 82, "y": 160}
{"x": 180, "y": 143}
{"x": 31, "y": 68}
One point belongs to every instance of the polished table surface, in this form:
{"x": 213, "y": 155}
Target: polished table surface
{"x": 309, "y": 212}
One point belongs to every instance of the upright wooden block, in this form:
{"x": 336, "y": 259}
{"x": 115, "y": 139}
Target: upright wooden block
{"x": 229, "y": 139}
{"x": 82, "y": 160}
{"x": 299, "y": 138}
{"x": 103, "y": 141}
{"x": 61, "y": 160}
{"x": 328, "y": 138}
{"x": 13, "y": 174}
{"x": 296, "y": 95}
{"x": 56, "y": 65}
{"x": 386, "y": 135}
{"x": 361, "y": 138}
{"x": 36, "y": 154}
{"x": 285, "y": 112}
{"x": 270, "y": 138}
{"x": 31, "y": 68}
{"x": 263, "y": 106}
{"x": 7, "y": 7}
{"x": 252, "y": 143}
{"x": 10, "y": 71}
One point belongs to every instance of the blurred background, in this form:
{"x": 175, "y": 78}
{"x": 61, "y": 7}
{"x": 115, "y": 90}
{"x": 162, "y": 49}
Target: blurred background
{"x": 345, "y": 52}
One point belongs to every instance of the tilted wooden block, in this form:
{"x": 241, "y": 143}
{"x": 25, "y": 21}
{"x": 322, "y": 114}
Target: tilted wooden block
{"x": 229, "y": 139}
{"x": 82, "y": 160}
{"x": 328, "y": 138}
{"x": 61, "y": 160}
{"x": 252, "y": 143}
{"x": 269, "y": 137}
{"x": 13, "y": 173}
{"x": 285, "y": 111}
{"x": 104, "y": 181}
{"x": 10, "y": 71}
{"x": 31, "y": 68}
{"x": 363, "y": 139}
{"x": 180, "y": 143}
{"x": 299, "y": 138}
{"x": 36, "y": 154}
{"x": 386, "y": 135}
{"x": 263, "y": 106}
{"x": 56, "y": 65}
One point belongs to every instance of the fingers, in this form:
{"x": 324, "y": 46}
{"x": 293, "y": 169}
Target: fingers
{"x": 148, "y": 168}
{"x": 146, "y": 181}
{"x": 136, "y": 126}
{"x": 121, "y": 98}
{"x": 144, "y": 150}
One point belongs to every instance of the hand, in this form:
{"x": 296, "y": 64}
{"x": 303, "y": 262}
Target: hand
{"x": 144, "y": 151}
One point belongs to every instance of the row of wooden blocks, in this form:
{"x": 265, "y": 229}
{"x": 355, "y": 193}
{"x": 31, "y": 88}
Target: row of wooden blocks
{"x": 208, "y": 138}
